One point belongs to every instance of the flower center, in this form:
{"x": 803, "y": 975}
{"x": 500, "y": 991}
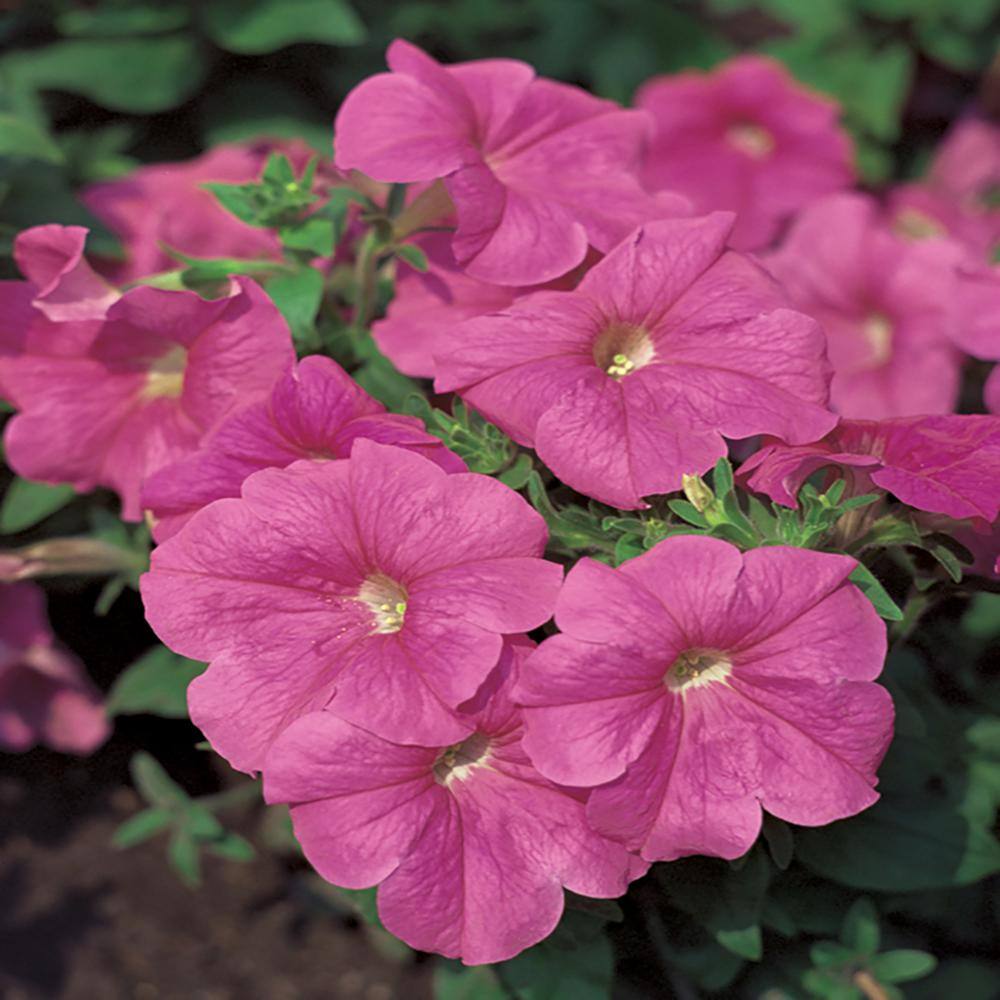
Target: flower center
{"x": 754, "y": 140}
{"x": 386, "y": 600}
{"x": 912, "y": 224}
{"x": 622, "y": 349}
{"x": 697, "y": 667}
{"x": 456, "y": 762}
{"x": 877, "y": 329}
{"x": 165, "y": 376}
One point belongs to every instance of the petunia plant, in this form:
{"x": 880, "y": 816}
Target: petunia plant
{"x": 548, "y": 501}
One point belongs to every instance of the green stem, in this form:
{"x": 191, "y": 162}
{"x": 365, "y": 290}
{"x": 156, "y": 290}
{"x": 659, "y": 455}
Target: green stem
{"x": 248, "y": 791}
{"x": 364, "y": 276}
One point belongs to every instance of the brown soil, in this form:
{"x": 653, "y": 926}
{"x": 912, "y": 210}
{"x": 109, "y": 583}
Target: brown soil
{"x": 80, "y": 920}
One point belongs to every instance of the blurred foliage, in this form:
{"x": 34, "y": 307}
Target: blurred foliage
{"x": 87, "y": 90}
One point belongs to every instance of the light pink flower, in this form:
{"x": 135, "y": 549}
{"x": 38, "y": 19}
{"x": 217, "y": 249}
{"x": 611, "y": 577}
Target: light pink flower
{"x": 536, "y": 170}
{"x": 942, "y": 464}
{"x": 378, "y": 584}
{"x": 747, "y": 138}
{"x": 167, "y": 203}
{"x": 695, "y": 685}
{"x": 315, "y": 410}
{"x": 470, "y": 846}
{"x": 966, "y": 172}
{"x": 163, "y": 369}
{"x": 45, "y": 694}
{"x": 632, "y": 379}
{"x": 886, "y": 306}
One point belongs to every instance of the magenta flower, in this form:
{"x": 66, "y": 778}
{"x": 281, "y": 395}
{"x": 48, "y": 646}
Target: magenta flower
{"x": 536, "y": 170}
{"x": 470, "y": 846}
{"x": 747, "y": 138}
{"x": 380, "y": 585}
{"x": 315, "y": 411}
{"x": 426, "y": 308}
{"x": 162, "y": 371}
{"x": 945, "y": 465}
{"x": 45, "y": 694}
{"x": 695, "y": 685}
{"x": 885, "y": 305}
{"x": 632, "y": 379}
{"x": 166, "y": 203}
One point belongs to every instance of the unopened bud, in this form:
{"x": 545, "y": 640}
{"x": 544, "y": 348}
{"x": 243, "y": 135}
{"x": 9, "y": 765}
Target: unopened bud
{"x": 64, "y": 556}
{"x": 698, "y": 492}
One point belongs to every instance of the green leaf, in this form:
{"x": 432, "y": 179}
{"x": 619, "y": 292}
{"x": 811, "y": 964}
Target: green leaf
{"x": 156, "y": 683}
{"x": 413, "y": 256}
{"x": 258, "y": 26}
{"x": 516, "y": 477}
{"x": 687, "y": 511}
{"x": 747, "y": 943}
{"x": 902, "y": 966}
{"x": 574, "y": 963}
{"x": 726, "y": 901}
{"x": 133, "y": 18}
{"x": 861, "y": 928}
{"x": 232, "y": 847}
{"x": 139, "y": 75}
{"x": 932, "y": 827}
{"x": 381, "y": 379}
{"x": 142, "y": 826}
{"x": 454, "y": 981}
{"x": 365, "y": 902}
{"x": 19, "y": 137}
{"x": 876, "y": 593}
{"x": 780, "y": 841}
{"x": 154, "y": 784}
{"x": 298, "y": 295}
{"x": 982, "y": 619}
{"x": 182, "y": 853}
{"x": 26, "y": 503}
{"x": 312, "y": 235}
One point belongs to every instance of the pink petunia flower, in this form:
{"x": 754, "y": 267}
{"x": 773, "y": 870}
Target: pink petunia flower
{"x": 379, "y": 584}
{"x": 942, "y": 464}
{"x": 162, "y": 370}
{"x": 45, "y": 694}
{"x": 166, "y": 203}
{"x": 315, "y": 410}
{"x": 953, "y": 203}
{"x": 470, "y": 846}
{"x": 958, "y": 195}
{"x": 746, "y": 138}
{"x": 59, "y": 307}
{"x": 632, "y": 380}
{"x": 536, "y": 170}
{"x": 426, "y": 307}
{"x": 885, "y": 305}
{"x": 695, "y": 685}
{"x": 423, "y": 316}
